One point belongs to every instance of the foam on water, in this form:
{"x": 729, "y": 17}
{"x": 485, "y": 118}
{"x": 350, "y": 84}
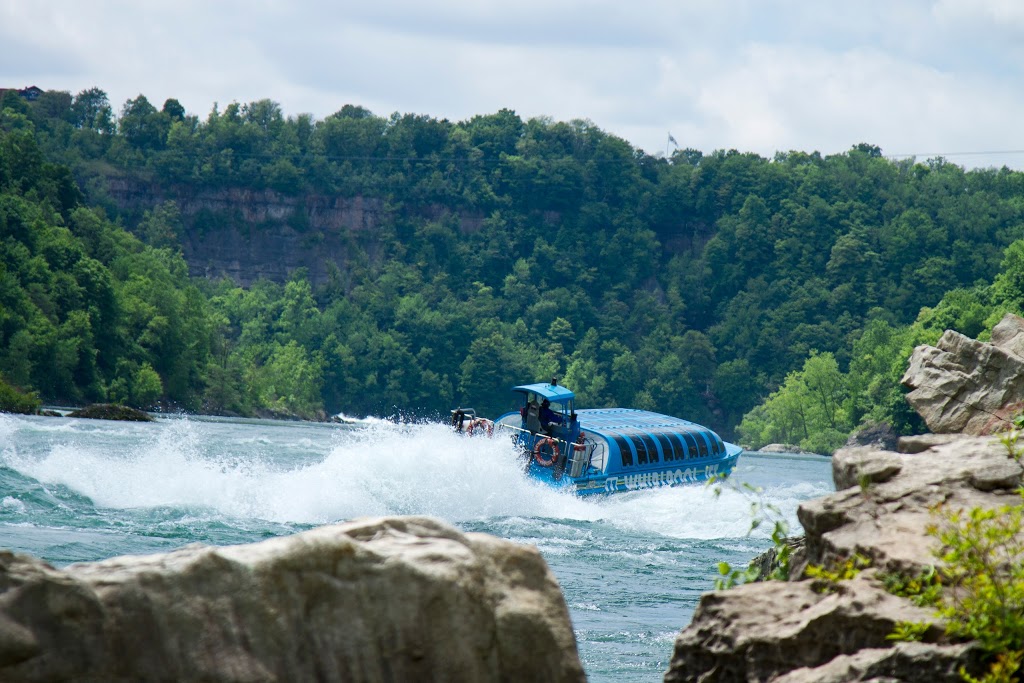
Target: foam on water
{"x": 379, "y": 468}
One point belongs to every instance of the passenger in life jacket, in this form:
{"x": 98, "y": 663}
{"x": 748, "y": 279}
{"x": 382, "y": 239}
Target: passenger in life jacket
{"x": 548, "y": 417}
{"x": 531, "y": 416}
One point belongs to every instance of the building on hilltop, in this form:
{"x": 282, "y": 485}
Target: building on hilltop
{"x": 30, "y": 93}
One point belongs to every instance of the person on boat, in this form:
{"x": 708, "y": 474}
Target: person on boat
{"x": 458, "y": 416}
{"x": 548, "y": 417}
{"x": 531, "y": 416}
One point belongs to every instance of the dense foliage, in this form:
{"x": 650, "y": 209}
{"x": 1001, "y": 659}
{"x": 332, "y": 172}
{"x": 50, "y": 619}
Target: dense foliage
{"x": 697, "y": 285}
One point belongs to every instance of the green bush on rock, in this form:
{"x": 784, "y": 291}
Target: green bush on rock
{"x": 14, "y": 400}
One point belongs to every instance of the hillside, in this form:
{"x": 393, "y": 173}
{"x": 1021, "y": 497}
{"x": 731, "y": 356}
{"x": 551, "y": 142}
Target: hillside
{"x": 407, "y": 264}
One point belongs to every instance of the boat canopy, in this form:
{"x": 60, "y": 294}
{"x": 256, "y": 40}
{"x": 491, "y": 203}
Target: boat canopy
{"x": 552, "y": 392}
{"x": 640, "y": 437}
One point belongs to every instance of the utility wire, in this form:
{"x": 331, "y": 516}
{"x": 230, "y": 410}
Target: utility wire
{"x": 932, "y": 155}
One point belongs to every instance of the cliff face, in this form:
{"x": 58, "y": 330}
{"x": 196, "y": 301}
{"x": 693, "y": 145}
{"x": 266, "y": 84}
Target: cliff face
{"x": 247, "y": 235}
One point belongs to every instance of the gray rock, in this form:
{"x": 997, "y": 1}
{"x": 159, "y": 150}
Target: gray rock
{"x": 897, "y": 664}
{"x": 399, "y": 599}
{"x": 788, "y": 631}
{"x": 767, "y": 562}
{"x": 111, "y": 411}
{"x": 784, "y": 448}
{"x": 791, "y": 632}
{"x": 965, "y": 386}
{"x": 922, "y": 442}
{"x": 862, "y": 466}
{"x": 876, "y": 434}
{"x": 886, "y": 519}
{"x": 759, "y": 631}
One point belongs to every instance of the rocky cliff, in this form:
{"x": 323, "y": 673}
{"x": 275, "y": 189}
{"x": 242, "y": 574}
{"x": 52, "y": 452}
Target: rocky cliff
{"x": 399, "y": 599}
{"x": 810, "y": 630}
{"x": 248, "y": 234}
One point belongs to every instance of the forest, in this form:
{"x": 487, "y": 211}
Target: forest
{"x": 775, "y": 300}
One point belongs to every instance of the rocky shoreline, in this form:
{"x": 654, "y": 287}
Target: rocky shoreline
{"x": 806, "y": 630}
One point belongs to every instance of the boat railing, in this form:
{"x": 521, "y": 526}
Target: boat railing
{"x": 576, "y": 460}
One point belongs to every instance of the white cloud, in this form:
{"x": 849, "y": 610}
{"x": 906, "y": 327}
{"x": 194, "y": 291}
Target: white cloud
{"x": 786, "y": 98}
{"x": 998, "y": 15}
{"x": 916, "y": 76}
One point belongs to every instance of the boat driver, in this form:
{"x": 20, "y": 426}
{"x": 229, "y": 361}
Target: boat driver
{"x": 548, "y": 417}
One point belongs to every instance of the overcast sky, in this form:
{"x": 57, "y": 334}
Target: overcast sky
{"x": 915, "y": 77}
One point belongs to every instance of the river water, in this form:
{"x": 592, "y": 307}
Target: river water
{"x": 632, "y": 566}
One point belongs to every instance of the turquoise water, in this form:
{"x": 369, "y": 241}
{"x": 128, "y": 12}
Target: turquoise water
{"x": 632, "y": 566}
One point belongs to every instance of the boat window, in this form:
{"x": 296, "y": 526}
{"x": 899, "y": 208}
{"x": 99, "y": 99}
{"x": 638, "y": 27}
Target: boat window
{"x": 691, "y": 444}
{"x": 648, "y": 444}
{"x": 717, "y": 447}
{"x": 641, "y": 449}
{"x": 600, "y": 452}
{"x": 668, "y": 448}
{"x": 681, "y": 451}
{"x": 511, "y": 420}
{"x": 702, "y": 445}
{"x": 624, "y": 450}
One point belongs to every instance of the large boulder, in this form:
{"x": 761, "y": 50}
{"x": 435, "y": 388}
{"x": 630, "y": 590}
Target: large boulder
{"x": 801, "y": 630}
{"x": 397, "y": 599}
{"x": 965, "y": 386}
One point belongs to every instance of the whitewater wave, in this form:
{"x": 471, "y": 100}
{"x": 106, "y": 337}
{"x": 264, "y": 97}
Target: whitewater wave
{"x": 368, "y": 420}
{"x": 380, "y": 468}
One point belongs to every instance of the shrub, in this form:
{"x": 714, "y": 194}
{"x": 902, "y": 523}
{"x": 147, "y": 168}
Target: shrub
{"x": 14, "y": 400}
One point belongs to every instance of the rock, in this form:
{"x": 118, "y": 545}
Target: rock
{"x": 862, "y": 466}
{"x": 965, "y": 386}
{"x": 788, "y": 631}
{"x": 784, "y": 448}
{"x": 110, "y": 411}
{"x": 768, "y": 561}
{"x": 901, "y": 662}
{"x": 396, "y": 599}
{"x": 797, "y": 632}
{"x": 922, "y": 442}
{"x": 887, "y": 519}
{"x": 760, "y": 631}
{"x": 876, "y": 434}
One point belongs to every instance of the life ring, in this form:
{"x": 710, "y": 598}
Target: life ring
{"x": 481, "y": 422}
{"x": 580, "y": 444}
{"x": 538, "y": 454}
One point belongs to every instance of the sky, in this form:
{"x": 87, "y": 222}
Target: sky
{"x": 917, "y": 78}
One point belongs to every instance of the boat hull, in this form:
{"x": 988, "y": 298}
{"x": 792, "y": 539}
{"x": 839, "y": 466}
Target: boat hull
{"x": 650, "y": 478}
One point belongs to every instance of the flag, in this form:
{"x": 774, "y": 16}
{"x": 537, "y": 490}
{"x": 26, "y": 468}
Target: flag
{"x": 672, "y": 140}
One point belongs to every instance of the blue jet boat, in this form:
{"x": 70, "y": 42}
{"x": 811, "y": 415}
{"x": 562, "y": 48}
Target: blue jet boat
{"x": 604, "y": 450}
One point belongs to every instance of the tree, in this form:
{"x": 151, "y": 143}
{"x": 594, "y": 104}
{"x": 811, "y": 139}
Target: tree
{"x": 805, "y": 411}
{"x": 162, "y": 227}
{"x": 173, "y": 109}
{"x": 91, "y": 110}
{"x": 142, "y": 125}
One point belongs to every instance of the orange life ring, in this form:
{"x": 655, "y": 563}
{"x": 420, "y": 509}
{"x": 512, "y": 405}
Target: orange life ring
{"x": 580, "y": 444}
{"x": 538, "y": 455}
{"x": 480, "y": 422}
